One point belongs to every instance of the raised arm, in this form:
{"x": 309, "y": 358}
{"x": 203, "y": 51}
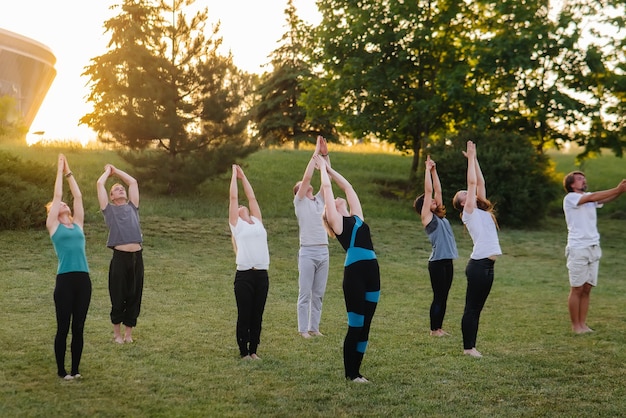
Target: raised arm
{"x": 103, "y": 195}
{"x": 52, "y": 221}
{"x": 233, "y": 205}
{"x": 472, "y": 181}
{"x": 426, "y": 214}
{"x": 308, "y": 173}
{"x": 438, "y": 196}
{"x": 253, "y": 204}
{"x": 322, "y": 146}
{"x": 351, "y": 196}
{"x": 133, "y": 187}
{"x": 604, "y": 196}
{"x": 481, "y": 189}
{"x": 333, "y": 217}
{"x": 78, "y": 209}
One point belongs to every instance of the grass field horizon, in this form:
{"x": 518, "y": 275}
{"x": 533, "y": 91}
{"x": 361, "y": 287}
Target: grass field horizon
{"x": 185, "y": 363}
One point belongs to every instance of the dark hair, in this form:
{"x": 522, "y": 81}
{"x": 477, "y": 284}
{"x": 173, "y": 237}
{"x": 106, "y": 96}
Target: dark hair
{"x": 418, "y": 204}
{"x": 569, "y": 179}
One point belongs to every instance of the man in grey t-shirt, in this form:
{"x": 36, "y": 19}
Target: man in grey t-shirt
{"x": 313, "y": 256}
{"x": 121, "y": 214}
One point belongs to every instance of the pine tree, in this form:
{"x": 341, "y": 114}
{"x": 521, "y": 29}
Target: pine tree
{"x": 163, "y": 89}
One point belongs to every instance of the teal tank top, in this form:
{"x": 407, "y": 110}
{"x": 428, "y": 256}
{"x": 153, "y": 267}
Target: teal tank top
{"x": 69, "y": 245}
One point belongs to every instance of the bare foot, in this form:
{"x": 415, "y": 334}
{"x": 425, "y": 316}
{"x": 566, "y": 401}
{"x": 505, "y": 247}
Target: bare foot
{"x": 253, "y": 356}
{"x": 128, "y": 335}
{"x": 472, "y": 353}
{"x": 316, "y": 333}
{"x": 246, "y": 358}
{"x": 118, "y": 339}
{"x": 305, "y": 335}
{"x": 439, "y": 333}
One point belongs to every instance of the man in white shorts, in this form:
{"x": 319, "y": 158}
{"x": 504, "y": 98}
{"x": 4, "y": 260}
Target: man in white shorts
{"x": 583, "y": 251}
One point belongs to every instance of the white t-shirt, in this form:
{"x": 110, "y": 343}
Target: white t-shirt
{"x": 582, "y": 230}
{"x": 309, "y": 213}
{"x": 484, "y": 233}
{"x": 251, "y": 241}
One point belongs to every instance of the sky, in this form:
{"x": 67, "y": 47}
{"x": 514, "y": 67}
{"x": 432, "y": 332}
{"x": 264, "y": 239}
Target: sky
{"x": 74, "y": 31}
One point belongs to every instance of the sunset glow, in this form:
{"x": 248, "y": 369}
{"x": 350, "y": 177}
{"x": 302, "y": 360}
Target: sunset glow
{"x": 73, "y": 30}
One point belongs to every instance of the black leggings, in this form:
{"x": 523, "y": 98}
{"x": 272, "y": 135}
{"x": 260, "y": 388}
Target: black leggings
{"x": 126, "y": 286}
{"x": 479, "y": 280}
{"x": 72, "y": 295}
{"x": 441, "y": 275}
{"x": 361, "y": 290}
{"x": 251, "y": 287}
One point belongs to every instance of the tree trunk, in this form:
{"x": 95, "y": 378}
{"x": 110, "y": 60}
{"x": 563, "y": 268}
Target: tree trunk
{"x": 417, "y": 151}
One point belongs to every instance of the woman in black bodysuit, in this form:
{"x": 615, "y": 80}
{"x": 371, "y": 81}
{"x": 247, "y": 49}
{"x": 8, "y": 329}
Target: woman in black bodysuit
{"x": 361, "y": 277}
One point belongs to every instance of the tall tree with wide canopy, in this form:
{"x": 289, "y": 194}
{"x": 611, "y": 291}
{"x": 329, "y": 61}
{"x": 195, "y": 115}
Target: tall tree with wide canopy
{"x": 545, "y": 80}
{"x": 163, "y": 88}
{"x": 607, "y": 62}
{"x": 417, "y": 72}
{"x": 279, "y": 117}
{"x": 398, "y": 71}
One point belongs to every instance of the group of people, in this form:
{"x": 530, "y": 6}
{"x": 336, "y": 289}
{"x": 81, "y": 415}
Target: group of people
{"x": 582, "y": 251}
{"x": 478, "y": 217}
{"x": 72, "y": 292}
{"x": 320, "y": 215}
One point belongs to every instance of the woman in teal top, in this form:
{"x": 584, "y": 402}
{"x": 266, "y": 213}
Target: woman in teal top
{"x": 72, "y": 293}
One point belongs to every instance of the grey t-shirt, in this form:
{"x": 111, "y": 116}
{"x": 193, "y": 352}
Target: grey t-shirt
{"x": 309, "y": 213}
{"x": 123, "y": 223}
{"x": 442, "y": 239}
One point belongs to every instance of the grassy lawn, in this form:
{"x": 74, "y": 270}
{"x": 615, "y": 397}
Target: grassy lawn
{"x": 185, "y": 363}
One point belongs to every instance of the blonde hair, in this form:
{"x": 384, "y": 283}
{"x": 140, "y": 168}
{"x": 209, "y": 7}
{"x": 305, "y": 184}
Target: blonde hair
{"x": 49, "y": 205}
{"x": 327, "y": 227}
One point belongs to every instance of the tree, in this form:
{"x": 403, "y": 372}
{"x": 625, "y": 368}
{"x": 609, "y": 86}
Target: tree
{"x": 397, "y": 71}
{"x": 545, "y": 80}
{"x": 413, "y": 73}
{"x": 279, "y": 117}
{"x": 607, "y": 63}
{"x": 164, "y": 89}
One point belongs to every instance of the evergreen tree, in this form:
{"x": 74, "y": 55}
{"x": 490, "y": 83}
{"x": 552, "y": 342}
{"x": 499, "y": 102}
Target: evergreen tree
{"x": 279, "y": 117}
{"x": 163, "y": 89}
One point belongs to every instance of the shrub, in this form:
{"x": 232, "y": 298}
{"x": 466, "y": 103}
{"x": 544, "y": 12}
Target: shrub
{"x": 25, "y": 188}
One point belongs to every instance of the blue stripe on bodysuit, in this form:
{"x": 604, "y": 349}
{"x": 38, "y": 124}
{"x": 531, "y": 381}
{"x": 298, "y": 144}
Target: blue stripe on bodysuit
{"x": 355, "y": 320}
{"x": 372, "y": 296}
{"x": 354, "y": 254}
{"x": 361, "y": 346}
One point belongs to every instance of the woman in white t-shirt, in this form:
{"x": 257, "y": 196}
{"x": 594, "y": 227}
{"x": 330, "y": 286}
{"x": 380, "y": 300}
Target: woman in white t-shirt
{"x": 477, "y": 215}
{"x": 253, "y": 259}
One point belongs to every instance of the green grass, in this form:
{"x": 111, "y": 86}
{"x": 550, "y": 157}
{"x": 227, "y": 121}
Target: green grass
{"x": 185, "y": 360}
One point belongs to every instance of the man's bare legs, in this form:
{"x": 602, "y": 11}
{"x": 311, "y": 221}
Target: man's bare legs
{"x": 128, "y": 334}
{"x": 117, "y": 334}
{"x": 578, "y": 304}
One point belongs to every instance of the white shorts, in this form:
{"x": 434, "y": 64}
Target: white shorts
{"x": 583, "y": 265}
